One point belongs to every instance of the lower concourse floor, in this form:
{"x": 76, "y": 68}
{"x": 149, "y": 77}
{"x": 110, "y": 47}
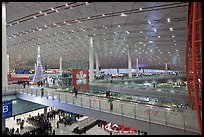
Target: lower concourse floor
{"x": 62, "y": 130}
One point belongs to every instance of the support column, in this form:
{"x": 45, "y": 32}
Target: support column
{"x": 97, "y": 65}
{"x": 166, "y": 68}
{"x": 129, "y": 65}
{"x": 3, "y": 124}
{"x": 4, "y": 49}
{"x": 137, "y": 73}
{"x": 91, "y": 66}
{"x": 61, "y": 66}
{"x": 45, "y": 112}
{"x": 8, "y": 63}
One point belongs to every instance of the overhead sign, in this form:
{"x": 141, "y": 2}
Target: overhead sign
{"x": 6, "y": 109}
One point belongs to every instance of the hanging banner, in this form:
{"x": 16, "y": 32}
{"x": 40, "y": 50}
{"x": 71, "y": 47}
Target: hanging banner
{"x": 80, "y": 79}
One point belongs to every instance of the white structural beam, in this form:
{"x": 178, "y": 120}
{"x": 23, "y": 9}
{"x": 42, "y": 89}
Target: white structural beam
{"x": 97, "y": 65}
{"x": 4, "y": 49}
{"x": 8, "y": 63}
{"x": 61, "y": 66}
{"x": 129, "y": 64}
{"x": 137, "y": 73}
{"x": 91, "y": 65}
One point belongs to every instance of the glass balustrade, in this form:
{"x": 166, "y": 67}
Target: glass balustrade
{"x": 181, "y": 120}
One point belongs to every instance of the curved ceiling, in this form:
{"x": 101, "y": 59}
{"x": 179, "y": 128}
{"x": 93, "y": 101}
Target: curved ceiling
{"x": 155, "y": 32}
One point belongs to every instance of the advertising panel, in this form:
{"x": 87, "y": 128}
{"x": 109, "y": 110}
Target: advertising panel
{"x": 80, "y": 79}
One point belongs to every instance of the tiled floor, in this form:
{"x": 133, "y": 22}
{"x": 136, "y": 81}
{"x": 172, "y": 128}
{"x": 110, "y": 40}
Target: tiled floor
{"x": 62, "y": 130}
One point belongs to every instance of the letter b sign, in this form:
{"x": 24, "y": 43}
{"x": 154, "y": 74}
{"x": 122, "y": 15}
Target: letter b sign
{"x": 5, "y": 109}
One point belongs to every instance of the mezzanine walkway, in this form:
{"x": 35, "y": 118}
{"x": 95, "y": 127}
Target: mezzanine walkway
{"x": 134, "y": 115}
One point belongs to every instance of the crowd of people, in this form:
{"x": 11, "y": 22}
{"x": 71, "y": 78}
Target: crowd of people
{"x": 43, "y": 125}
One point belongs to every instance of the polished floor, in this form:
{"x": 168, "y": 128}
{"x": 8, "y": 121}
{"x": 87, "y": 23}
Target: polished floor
{"x": 62, "y": 130}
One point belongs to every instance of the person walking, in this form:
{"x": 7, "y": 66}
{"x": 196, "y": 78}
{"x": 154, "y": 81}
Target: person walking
{"x": 38, "y": 83}
{"x": 42, "y": 92}
{"x": 24, "y": 84}
{"x": 75, "y": 91}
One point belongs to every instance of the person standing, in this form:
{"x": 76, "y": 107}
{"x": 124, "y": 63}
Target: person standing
{"x": 41, "y": 83}
{"x": 57, "y": 124}
{"x": 53, "y": 133}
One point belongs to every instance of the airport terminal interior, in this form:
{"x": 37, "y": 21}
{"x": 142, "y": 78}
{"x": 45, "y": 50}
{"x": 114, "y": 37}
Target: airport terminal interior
{"x": 102, "y": 68}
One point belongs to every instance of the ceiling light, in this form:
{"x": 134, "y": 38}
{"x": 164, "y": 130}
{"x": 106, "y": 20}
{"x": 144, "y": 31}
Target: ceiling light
{"x": 158, "y": 36}
{"x": 94, "y": 28}
{"x": 45, "y": 26}
{"x": 66, "y": 5}
{"x": 127, "y": 32}
{"x": 54, "y": 24}
{"x": 172, "y": 36}
{"x": 89, "y": 18}
{"x": 140, "y": 8}
{"x": 123, "y": 15}
{"x": 17, "y": 22}
{"x": 149, "y": 22}
{"x": 175, "y": 44}
{"x": 103, "y": 14}
{"x": 155, "y": 30}
{"x": 168, "y": 19}
{"x": 140, "y": 31}
{"x": 40, "y": 12}
{"x": 118, "y": 26}
{"x": 52, "y": 8}
{"x": 10, "y": 24}
{"x": 68, "y": 24}
{"x": 34, "y": 17}
{"x": 87, "y": 3}
{"x": 103, "y": 33}
{"x": 171, "y": 29}
{"x": 146, "y": 37}
{"x": 57, "y": 10}
{"x": 45, "y": 14}
{"x": 150, "y": 41}
{"x": 174, "y": 41}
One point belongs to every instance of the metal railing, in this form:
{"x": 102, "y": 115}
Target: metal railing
{"x": 183, "y": 120}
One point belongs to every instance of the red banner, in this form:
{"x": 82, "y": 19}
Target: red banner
{"x": 80, "y": 79}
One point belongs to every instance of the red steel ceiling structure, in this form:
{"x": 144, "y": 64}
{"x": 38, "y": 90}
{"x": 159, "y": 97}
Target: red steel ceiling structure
{"x": 194, "y": 59}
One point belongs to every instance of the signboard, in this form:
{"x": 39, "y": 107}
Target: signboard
{"x": 7, "y": 109}
{"x": 80, "y": 79}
